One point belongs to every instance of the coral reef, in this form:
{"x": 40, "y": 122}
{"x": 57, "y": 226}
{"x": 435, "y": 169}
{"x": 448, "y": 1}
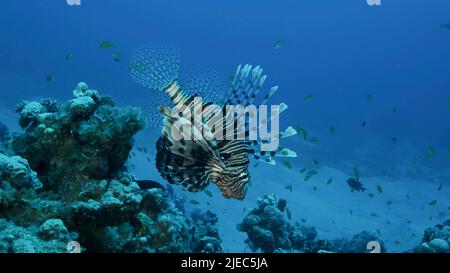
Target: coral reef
{"x": 358, "y": 243}
{"x": 436, "y": 239}
{"x": 64, "y": 178}
{"x": 206, "y": 236}
{"x": 268, "y": 230}
{"x": 51, "y": 236}
{"x": 161, "y": 227}
{"x": 67, "y": 144}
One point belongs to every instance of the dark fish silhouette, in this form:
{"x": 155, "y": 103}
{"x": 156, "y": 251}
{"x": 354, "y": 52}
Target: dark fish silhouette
{"x": 149, "y": 184}
{"x": 356, "y": 185}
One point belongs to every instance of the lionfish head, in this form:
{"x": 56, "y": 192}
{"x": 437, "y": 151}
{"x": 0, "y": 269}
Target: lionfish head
{"x": 234, "y": 176}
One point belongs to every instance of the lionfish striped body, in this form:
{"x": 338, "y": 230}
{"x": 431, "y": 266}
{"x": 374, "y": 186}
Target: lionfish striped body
{"x": 195, "y": 162}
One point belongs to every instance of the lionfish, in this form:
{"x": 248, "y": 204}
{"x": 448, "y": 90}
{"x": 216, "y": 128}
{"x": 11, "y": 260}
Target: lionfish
{"x": 194, "y": 164}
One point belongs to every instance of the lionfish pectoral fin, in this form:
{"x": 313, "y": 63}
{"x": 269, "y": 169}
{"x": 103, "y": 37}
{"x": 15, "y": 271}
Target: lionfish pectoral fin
{"x": 183, "y": 164}
{"x": 183, "y": 156}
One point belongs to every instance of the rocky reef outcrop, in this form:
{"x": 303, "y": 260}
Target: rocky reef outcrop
{"x": 51, "y": 236}
{"x": 70, "y": 143}
{"x": 64, "y": 178}
{"x": 435, "y": 239}
{"x": 269, "y": 230}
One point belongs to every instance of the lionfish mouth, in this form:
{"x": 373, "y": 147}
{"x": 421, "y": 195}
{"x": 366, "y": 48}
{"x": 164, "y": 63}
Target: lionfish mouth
{"x": 233, "y": 185}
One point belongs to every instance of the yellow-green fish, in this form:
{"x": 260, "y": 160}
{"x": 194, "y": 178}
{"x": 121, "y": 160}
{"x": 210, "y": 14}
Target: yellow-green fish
{"x": 107, "y": 44}
{"x": 379, "y": 189}
{"x": 303, "y": 170}
{"x": 68, "y": 56}
{"x": 316, "y": 162}
{"x": 308, "y": 97}
{"x": 329, "y": 181}
{"x": 313, "y": 139}
{"x": 446, "y": 26}
{"x": 287, "y": 164}
{"x": 207, "y": 192}
{"x": 429, "y": 152}
{"x": 434, "y": 202}
{"x": 289, "y": 188}
{"x": 370, "y": 194}
{"x": 194, "y": 202}
{"x": 303, "y": 133}
{"x": 278, "y": 44}
{"x": 332, "y": 129}
{"x": 368, "y": 97}
{"x": 116, "y": 56}
{"x": 49, "y": 78}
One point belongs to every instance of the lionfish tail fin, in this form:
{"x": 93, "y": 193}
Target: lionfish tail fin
{"x": 155, "y": 67}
